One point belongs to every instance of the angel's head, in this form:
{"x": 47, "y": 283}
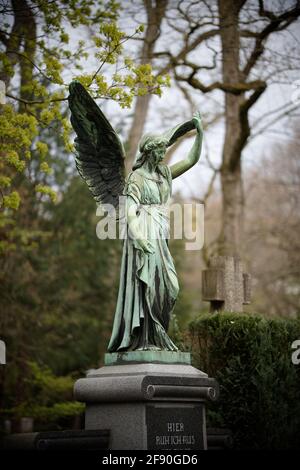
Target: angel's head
{"x": 152, "y": 149}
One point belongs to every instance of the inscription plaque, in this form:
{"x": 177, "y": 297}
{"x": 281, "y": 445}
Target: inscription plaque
{"x": 175, "y": 427}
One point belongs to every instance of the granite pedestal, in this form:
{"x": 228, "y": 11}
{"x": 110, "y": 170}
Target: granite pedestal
{"x": 148, "y": 405}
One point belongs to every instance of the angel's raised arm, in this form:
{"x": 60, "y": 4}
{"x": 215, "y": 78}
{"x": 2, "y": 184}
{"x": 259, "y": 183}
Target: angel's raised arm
{"x": 183, "y": 165}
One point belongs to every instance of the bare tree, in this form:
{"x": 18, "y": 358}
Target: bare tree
{"x": 224, "y": 47}
{"x": 243, "y": 29}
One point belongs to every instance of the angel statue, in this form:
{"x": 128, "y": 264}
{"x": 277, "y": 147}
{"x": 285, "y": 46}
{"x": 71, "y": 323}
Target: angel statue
{"x": 148, "y": 286}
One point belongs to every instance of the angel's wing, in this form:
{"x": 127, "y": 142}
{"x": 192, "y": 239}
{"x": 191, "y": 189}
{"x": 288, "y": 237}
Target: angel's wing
{"x": 100, "y": 154}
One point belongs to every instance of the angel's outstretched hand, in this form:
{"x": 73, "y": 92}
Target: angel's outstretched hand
{"x": 198, "y": 122}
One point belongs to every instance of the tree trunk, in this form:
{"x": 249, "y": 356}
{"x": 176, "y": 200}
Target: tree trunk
{"x": 155, "y": 14}
{"x": 22, "y": 36}
{"x": 231, "y": 177}
{"x": 13, "y": 42}
{"x": 232, "y": 215}
{"x": 21, "y": 49}
{"x": 27, "y": 60}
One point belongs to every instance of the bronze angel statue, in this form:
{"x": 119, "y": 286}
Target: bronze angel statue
{"x": 148, "y": 285}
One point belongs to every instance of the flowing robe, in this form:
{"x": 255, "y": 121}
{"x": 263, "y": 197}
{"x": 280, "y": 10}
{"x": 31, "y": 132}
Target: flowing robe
{"x": 148, "y": 286}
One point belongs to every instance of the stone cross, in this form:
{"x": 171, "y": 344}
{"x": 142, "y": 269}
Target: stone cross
{"x": 225, "y": 284}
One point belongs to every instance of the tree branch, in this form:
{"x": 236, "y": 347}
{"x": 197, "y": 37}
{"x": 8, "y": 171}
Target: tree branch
{"x": 29, "y": 102}
{"x": 186, "y": 49}
{"x": 24, "y": 56}
{"x": 246, "y": 105}
{"x": 277, "y": 23}
{"x": 234, "y": 88}
{"x": 280, "y": 116}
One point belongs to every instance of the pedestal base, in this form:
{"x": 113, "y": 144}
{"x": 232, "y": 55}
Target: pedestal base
{"x": 148, "y": 406}
{"x": 142, "y": 357}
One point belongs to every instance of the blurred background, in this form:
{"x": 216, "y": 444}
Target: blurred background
{"x": 149, "y": 65}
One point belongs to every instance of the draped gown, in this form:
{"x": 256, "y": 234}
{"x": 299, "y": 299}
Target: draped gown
{"x": 148, "y": 282}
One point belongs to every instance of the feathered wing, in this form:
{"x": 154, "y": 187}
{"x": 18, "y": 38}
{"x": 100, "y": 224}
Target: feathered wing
{"x": 100, "y": 154}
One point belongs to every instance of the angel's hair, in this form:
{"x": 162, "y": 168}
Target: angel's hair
{"x": 148, "y": 143}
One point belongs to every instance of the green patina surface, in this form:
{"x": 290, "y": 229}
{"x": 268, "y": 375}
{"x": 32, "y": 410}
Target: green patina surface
{"x": 162, "y": 357}
{"x": 148, "y": 286}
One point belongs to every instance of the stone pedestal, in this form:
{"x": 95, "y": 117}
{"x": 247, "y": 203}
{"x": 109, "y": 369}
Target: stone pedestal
{"x": 156, "y": 406}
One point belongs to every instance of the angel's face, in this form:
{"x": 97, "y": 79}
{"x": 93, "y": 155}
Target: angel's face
{"x": 160, "y": 151}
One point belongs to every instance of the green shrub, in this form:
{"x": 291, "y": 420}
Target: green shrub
{"x": 259, "y": 386}
{"x": 46, "y": 397}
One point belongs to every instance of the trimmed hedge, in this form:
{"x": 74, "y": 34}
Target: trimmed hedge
{"x": 250, "y": 357}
